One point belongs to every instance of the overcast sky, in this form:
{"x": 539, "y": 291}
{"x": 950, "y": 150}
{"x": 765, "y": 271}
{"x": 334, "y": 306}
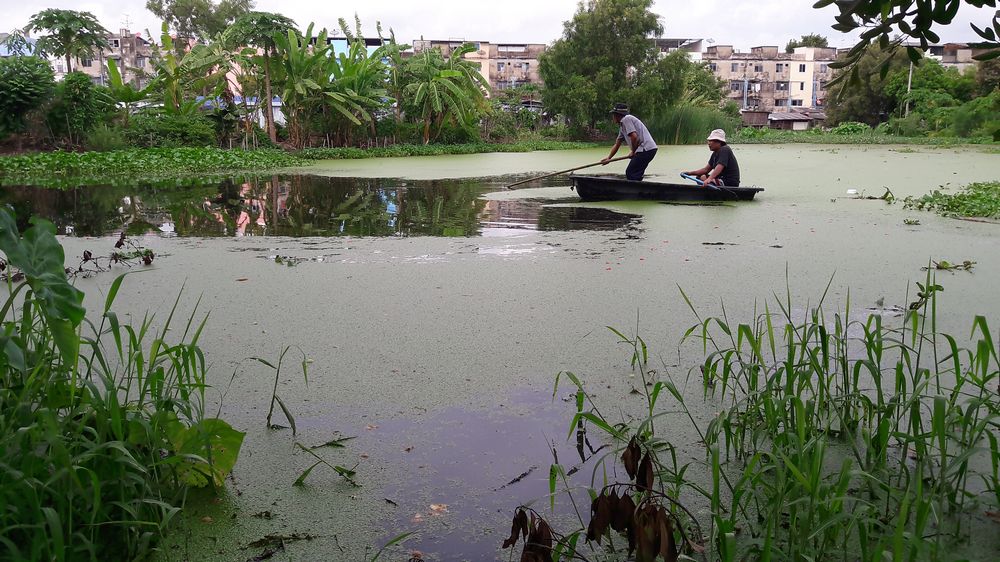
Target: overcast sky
{"x": 742, "y": 23}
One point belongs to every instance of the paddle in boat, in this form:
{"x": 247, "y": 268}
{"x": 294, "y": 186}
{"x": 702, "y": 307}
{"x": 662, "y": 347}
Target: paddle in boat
{"x": 612, "y": 187}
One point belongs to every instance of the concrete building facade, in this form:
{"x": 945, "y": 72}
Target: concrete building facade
{"x": 503, "y": 65}
{"x": 131, "y": 53}
{"x": 768, "y": 79}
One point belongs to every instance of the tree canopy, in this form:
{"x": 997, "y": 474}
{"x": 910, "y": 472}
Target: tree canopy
{"x": 199, "y": 19}
{"x": 606, "y": 55}
{"x": 808, "y": 40}
{"x": 71, "y": 34}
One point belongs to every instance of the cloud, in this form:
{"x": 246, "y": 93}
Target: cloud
{"x": 742, "y": 23}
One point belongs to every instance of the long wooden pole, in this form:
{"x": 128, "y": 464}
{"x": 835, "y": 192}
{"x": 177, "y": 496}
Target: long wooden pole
{"x": 565, "y": 171}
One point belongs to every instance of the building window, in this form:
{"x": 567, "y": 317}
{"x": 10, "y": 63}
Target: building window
{"x": 713, "y": 67}
{"x": 734, "y": 67}
{"x": 778, "y": 67}
{"x": 87, "y": 63}
{"x": 802, "y": 86}
{"x": 499, "y": 67}
{"x": 780, "y": 103}
{"x": 758, "y": 68}
{"x": 736, "y": 85}
{"x": 802, "y": 68}
{"x": 526, "y": 65}
{"x": 140, "y": 62}
{"x": 797, "y": 102}
{"x": 824, "y": 67}
{"x": 781, "y": 86}
{"x": 115, "y": 43}
{"x": 822, "y": 84}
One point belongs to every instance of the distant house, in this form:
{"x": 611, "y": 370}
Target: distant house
{"x": 795, "y": 120}
{"x": 131, "y": 53}
{"x": 754, "y": 118}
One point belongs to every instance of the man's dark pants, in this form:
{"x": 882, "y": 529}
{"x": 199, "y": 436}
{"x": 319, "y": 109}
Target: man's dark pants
{"x": 637, "y": 165}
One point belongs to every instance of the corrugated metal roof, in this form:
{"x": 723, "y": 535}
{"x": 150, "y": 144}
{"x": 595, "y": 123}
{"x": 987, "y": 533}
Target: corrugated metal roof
{"x": 789, "y": 116}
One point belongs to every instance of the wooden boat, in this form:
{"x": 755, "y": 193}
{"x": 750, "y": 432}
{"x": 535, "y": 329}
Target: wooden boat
{"x": 609, "y": 188}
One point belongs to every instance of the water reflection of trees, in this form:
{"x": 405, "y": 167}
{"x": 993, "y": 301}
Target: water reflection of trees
{"x": 273, "y": 206}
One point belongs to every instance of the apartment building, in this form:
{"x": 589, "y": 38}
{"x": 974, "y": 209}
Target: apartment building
{"x": 503, "y": 65}
{"x": 956, "y": 55}
{"x": 693, "y": 47}
{"x": 768, "y": 79}
{"x": 131, "y": 53}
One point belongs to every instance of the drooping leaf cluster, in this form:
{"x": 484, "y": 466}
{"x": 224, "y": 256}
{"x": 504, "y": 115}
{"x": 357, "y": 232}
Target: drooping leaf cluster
{"x": 890, "y": 23}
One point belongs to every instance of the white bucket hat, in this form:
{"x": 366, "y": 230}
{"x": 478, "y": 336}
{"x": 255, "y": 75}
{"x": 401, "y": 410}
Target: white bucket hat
{"x": 718, "y": 135}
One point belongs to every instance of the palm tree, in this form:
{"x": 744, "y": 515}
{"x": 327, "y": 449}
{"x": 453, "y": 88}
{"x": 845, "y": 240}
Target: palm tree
{"x": 444, "y": 88}
{"x": 259, "y": 30}
{"x": 71, "y": 33}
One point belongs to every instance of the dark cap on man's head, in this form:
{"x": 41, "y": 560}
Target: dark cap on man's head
{"x": 620, "y": 109}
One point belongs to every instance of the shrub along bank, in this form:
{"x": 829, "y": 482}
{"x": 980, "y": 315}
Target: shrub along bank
{"x": 103, "y": 429}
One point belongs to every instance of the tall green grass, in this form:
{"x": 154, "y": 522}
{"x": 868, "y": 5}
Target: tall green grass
{"x": 689, "y": 124}
{"x": 835, "y": 439}
{"x": 103, "y": 426}
{"x": 400, "y": 150}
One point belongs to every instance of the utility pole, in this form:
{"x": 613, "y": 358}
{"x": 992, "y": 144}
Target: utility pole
{"x": 909, "y": 85}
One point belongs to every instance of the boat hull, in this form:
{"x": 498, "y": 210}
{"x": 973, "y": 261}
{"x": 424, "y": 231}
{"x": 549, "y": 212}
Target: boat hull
{"x": 610, "y": 188}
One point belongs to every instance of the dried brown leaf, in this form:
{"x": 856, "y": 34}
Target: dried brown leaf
{"x": 644, "y": 478}
{"x": 623, "y": 514}
{"x": 538, "y": 547}
{"x": 518, "y": 526}
{"x": 668, "y": 546}
{"x": 630, "y": 458}
{"x": 647, "y": 541}
{"x": 600, "y": 518}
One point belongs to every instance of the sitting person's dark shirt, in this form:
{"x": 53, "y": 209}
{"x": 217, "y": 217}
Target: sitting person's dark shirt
{"x": 730, "y": 168}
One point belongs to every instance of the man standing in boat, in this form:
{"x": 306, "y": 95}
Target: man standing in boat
{"x": 634, "y": 133}
{"x": 722, "y": 168}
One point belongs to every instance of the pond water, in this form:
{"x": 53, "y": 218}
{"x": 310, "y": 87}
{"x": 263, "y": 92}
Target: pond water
{"x": 437, "y": 309}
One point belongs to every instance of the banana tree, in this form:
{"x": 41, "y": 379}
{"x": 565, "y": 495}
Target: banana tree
{"x": 360, "y": 77}
{"x": 307, "y": 69}
{"x": 122, "y": 94}
{"x": 174, "y": 75}
{"x": 444, "y": 88}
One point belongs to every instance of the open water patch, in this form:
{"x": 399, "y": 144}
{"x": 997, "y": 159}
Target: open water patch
{"x": 302, "y": 206}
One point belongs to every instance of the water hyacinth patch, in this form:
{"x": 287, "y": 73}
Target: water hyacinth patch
{"x": 71, "y": 169}
{"x": 974, "y": 200}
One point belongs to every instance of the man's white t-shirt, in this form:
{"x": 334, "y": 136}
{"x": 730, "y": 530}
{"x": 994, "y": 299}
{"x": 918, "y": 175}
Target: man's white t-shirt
{"x": 631, "y": 124}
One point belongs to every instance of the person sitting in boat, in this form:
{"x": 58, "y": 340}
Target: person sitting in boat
{"x": 634, "y": 133}
{"x": 722, "y": 168}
